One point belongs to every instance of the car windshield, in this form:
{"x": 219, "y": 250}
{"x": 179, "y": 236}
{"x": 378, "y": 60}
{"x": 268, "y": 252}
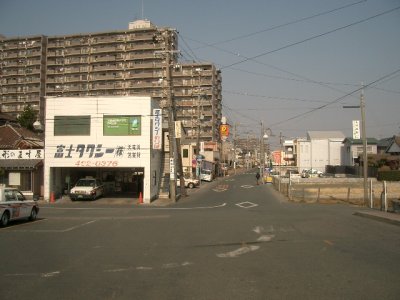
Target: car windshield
{"x": 85, "y": 182}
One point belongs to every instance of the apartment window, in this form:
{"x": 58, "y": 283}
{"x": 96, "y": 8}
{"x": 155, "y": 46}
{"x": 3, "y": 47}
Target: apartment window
{"x": 185, "y": 153}
{"x": 71, "y": 125}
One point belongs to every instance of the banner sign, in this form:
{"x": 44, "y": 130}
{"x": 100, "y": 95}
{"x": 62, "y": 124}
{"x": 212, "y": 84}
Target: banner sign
{"x": 157, "y": 129}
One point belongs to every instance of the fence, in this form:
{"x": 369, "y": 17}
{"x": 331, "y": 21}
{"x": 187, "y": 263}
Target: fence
{"x": 339, "y": 190}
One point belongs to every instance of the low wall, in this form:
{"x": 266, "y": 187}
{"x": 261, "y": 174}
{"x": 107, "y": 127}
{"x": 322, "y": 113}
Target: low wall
{"x": 337, "y": 190}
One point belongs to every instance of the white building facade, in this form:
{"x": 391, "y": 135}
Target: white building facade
{"x": 321, "y": 148}
{"x": 110, "y": 138}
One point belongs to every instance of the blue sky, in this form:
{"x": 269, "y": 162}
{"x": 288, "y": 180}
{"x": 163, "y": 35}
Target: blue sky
{"x": 309, "y": 53}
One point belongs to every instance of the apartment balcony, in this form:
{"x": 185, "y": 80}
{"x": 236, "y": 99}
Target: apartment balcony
{"x": 102, "y": 58}
{"x": 144, "y": 65}
{"x": 140, "y": 55}
{"x": 70, "y": 70}
{"x": 106, "y": 86}
{"x": 72, "y": 51}
{"x": 97, "y": 40}
{"x": 112, "y": 67}
{"x": 146, "y": 46}
{"x": 142, "y": 75}
{"x": 98, "y": 77}
{"x": 105, "y": 49}
{"x": 74, "y": 79}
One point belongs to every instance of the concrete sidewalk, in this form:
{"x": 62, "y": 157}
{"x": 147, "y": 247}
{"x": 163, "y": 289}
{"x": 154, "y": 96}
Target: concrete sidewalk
{"x": 388, "y": 217}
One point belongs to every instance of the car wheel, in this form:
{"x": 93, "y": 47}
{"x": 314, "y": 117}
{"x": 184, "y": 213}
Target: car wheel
{"x": 190, "y": 185}
{"x": 33, "y": 215}
{"x": 4, "y": 219}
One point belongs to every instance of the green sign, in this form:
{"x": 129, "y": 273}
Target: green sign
{"x": 122, "y": 125}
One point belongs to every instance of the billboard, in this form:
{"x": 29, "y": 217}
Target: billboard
{"x": 122, "y": 125}
{"x": 224, "y": 131}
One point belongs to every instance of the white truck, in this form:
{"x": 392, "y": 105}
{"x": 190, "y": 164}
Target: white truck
{"x": 14, "y": 206}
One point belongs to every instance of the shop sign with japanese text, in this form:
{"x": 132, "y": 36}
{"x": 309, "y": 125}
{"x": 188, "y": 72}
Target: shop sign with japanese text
{"x": 97, "y": 155}
{"x": 22, "y": 154}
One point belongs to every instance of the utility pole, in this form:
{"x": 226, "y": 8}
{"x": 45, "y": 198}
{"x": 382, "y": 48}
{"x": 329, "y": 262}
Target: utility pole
{"x": 280, "y": 159}
{"x": 262, "y": 153}
{"x": 174, "y": 150}
{"x": 365, "y": 156}
{"x": 198, "y": 160}
{"x": 234, "y": 149}
{"x": 364, "y": 140}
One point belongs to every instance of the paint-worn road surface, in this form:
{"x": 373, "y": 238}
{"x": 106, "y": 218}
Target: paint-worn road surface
{"x": 231, "y": 239}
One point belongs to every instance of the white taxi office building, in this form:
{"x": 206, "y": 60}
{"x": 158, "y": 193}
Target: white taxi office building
{"x": 115, "y": 139}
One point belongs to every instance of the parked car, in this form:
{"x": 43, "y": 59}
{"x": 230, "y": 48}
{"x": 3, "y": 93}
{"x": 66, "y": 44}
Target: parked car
{"x": 206, "y": 175}
{"x": 14, "y": 206}
{"x": 310, "y": 173}
{"x": 189, "y": 182}
{"x": 87, "y": 188}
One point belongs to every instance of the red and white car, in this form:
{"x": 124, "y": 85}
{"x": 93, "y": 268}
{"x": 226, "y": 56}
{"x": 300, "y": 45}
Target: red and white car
{"x": 14, "y": 206}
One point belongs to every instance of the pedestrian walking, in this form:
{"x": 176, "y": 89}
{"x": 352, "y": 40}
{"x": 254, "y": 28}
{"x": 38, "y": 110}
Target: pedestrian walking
{"x": 258, "y": 177}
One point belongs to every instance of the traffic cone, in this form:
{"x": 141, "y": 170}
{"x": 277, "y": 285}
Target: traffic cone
{"x": 52, "y": 200}
{"x": 140, "y": 198}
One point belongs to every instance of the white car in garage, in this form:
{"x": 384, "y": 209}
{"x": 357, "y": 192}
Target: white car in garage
{"x": 87, "y": 188}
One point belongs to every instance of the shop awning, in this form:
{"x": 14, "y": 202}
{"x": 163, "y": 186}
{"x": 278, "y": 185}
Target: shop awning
{"x": 20, "y": 164}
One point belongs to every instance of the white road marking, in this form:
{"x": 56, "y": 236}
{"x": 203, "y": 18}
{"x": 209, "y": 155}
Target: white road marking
{"x": 246, "y": 204}
{"x": 265, "y": 238}
{"x": 44, "y": 275}
{"x": 258, "y": 229}
{"x": 238, "y": 252}
{"x": 191, "y": 208}
{"x": 144, "y": 268}
{"x": 246, "y": 186}
{"x": 51, "y": 274}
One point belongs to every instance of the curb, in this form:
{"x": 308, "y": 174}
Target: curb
{"x": 380, "y": 216}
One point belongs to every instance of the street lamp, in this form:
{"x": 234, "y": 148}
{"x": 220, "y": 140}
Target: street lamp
{"x": 263, "y": 136}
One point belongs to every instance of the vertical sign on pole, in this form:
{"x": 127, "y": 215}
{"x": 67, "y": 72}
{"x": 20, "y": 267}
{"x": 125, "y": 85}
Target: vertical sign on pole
{"x": 171, "y": 168}
{"x": 157, "y": 128}
{"x": 356, "y": 129}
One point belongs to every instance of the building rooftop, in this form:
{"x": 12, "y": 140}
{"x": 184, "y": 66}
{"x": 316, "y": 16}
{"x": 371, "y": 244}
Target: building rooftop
{"x": 325, "y": 135}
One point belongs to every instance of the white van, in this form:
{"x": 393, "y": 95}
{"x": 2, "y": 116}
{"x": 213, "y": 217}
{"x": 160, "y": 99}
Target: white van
{"x": 206, "y": 175}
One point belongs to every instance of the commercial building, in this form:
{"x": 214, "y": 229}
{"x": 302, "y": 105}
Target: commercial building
{"x": 129, "y": 62}
{"x": 109, "y": 138}
{"x": 21, "y": 159}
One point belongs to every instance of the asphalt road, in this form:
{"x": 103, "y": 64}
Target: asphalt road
{"x": 230, "y": 239}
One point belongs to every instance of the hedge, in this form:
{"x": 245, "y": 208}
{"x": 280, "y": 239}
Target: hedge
{"x": 389, "y": 175}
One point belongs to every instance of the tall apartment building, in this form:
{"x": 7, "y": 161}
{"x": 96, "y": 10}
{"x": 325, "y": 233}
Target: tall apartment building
{"x": 125, "y": 62}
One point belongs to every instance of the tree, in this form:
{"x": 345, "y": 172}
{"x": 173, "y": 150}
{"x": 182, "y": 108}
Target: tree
{"x": 27, "y": 118}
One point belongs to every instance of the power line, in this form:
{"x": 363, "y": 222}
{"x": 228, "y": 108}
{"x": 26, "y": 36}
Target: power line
{"x": 339, "y": 99}
{"x": 312, "y": 37}
{"x": 282, "y": 25}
